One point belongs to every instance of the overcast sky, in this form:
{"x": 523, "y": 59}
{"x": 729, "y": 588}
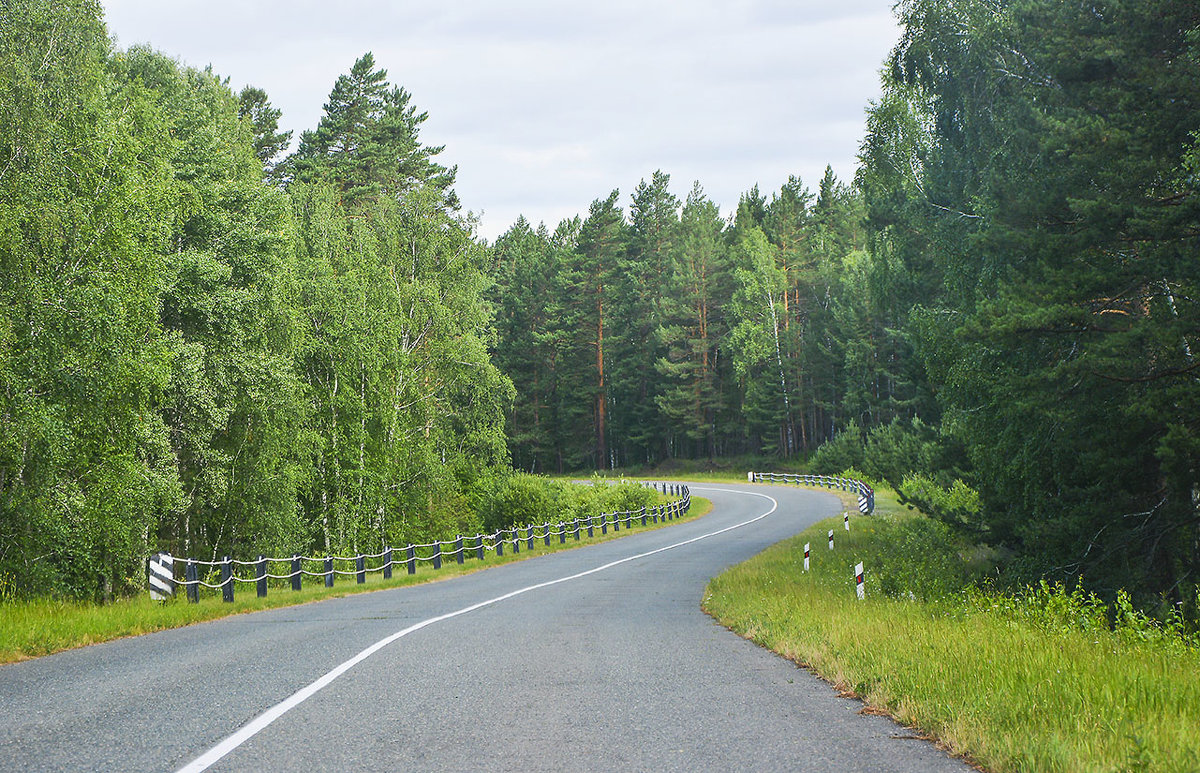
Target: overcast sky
{"x": 545, "y": 105}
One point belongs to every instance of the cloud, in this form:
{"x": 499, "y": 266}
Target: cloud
{"x": 547, "y": 105}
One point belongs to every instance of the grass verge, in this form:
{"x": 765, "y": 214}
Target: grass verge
{"x": 39, "y": 627}
{"x": 1003, "y": 688}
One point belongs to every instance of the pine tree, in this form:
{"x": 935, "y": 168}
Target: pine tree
{"x": 692, "y": 325}
{"x": 368, "y": 142}
{"x": 263, "y": 118}
{"x": 601, "y": 250}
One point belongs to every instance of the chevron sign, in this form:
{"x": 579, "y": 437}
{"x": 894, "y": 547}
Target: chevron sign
{"x": 162, "y": 576}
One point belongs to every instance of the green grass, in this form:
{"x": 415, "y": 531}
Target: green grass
{"x": 39, "y": 627}
{"x": 1006, "y": 690}
{"x": 731, "y": 469}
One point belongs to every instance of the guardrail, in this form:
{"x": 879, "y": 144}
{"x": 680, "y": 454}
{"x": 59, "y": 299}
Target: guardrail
{"x": 161, "y": 566}
{"x": 866, "y": 494}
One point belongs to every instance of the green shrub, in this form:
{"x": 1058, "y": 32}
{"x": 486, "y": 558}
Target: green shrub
{"x": 523, "y": 498}
{"x": 918, "y": 558}
{"x": 520, "y": 498}
{"x": 847, "y": 449}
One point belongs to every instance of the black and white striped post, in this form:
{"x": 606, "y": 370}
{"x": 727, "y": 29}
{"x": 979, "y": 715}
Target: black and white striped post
{"x": 831, "y": 539}
{"x": 846, "y": 520}
{"x": 160, "y": 572}
{"x": 858, "y": 581}
{"x": 807, "y": 553}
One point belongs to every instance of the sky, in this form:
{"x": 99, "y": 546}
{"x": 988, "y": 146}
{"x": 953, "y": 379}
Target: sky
{"x": 546, "y": 105}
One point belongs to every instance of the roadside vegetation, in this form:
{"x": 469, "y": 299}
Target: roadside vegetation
{"x": 1044, "y": 677}
{"x": 34, "y": 627}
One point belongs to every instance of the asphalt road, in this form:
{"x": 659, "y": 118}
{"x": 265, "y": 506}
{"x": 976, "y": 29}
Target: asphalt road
{"x": 591, "y": 659}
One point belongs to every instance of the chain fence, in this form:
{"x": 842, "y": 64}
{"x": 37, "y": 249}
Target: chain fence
{"x": 162, "y": 568}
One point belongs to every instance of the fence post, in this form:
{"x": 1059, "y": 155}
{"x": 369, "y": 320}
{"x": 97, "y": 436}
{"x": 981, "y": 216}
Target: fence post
{"x": 516, "y": 541}
{"x": 387, "y": 564}
{"x": 296, "y": 576}
{"x": 437, "y": 556}
{"x": 562, "y": 533}
{"x": 529, "y": 537}
{"x": 604, "y": 523}
{"x": 591, "y": 526}
{"x": 227, "y": 580}
{"x": 328, "y": 572}
{"x": 411, "y": 556}
{"x": 500, "y": 543}
{"x": 360, "y": 566}
{"x": 577, "y": 527}
{"x": 193, "y": 588}
{"x": 262, "y": 576}
{"x": 643, "y": 515}
{"x": 479, "y": 547}
{"x": 616, "y": 521}
{"x": 458, "y": 549}
{"x": 546, "y": 528}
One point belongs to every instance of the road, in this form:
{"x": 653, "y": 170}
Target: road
{"x": 590, "y": 659}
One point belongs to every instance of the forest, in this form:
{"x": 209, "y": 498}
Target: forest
{"x": 215, "y": 340}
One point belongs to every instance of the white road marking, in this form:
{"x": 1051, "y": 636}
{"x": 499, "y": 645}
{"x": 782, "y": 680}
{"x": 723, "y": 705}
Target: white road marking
{"x": 260, "y": 723}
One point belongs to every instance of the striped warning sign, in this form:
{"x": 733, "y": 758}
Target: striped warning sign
{"x": 161, "y": 574}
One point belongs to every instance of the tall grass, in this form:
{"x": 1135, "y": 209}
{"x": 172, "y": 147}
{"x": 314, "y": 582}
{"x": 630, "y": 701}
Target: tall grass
{"x": 1040, "y": 681}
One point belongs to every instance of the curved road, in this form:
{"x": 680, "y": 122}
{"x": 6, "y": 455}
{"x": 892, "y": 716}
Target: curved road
{"x": 591, "y": 659}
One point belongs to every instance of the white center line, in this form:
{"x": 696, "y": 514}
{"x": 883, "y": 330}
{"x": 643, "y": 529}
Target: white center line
{"x": 260, "y": 723}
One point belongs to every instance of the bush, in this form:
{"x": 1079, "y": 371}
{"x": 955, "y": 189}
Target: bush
{"x": 846, "y": 450}
{"x": 520, "y": 498}
{"x": 958, "y": 503}
{"x": 918, "y": 558}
